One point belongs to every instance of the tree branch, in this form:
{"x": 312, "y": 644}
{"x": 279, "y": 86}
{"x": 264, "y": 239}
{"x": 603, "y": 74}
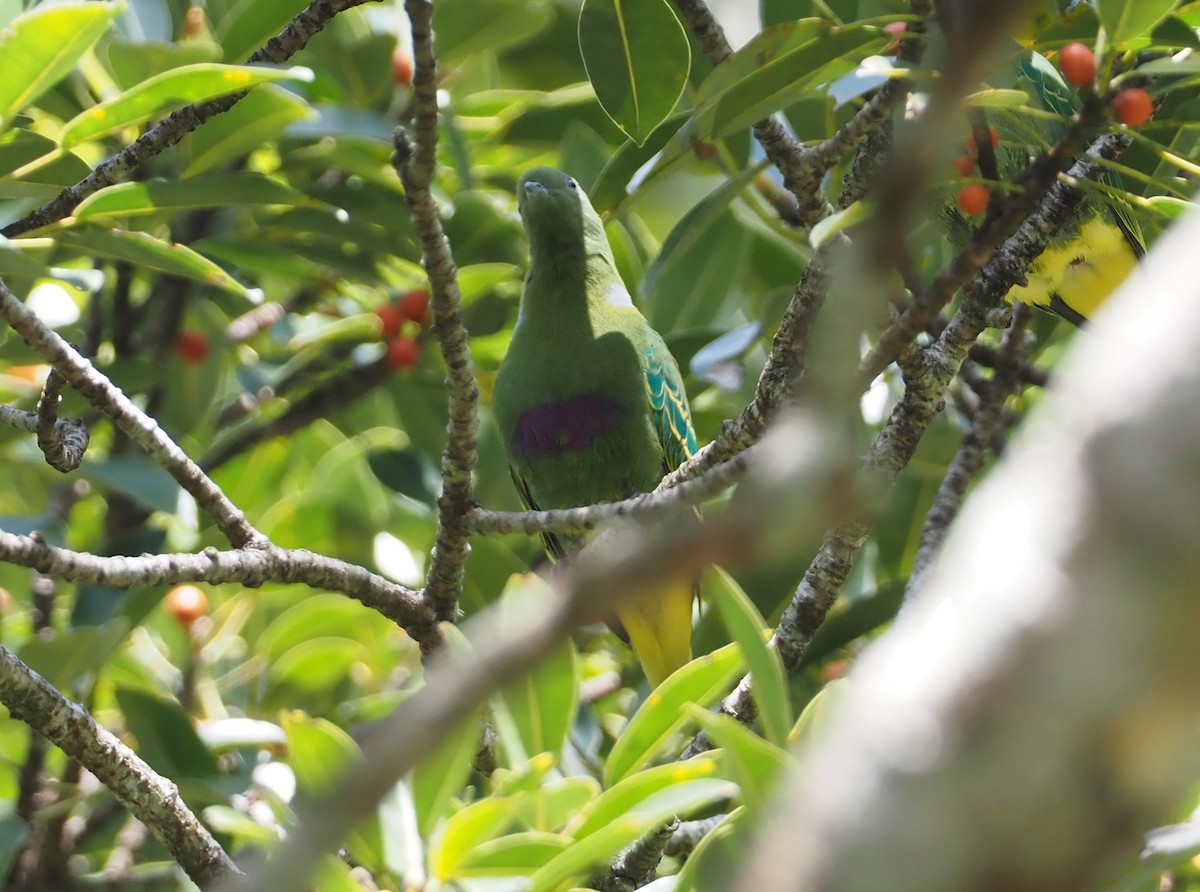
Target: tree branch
{"x": 251, "y": 567}
{"x": 150, "y": 797}
{"x": 415, "y": 163}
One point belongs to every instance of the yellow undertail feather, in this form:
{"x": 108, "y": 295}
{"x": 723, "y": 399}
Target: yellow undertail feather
{"x": 659, "y": 627}
{"x": 1079, "y": 274}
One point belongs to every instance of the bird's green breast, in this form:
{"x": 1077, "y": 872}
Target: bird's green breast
{"x": 570, "y": 403}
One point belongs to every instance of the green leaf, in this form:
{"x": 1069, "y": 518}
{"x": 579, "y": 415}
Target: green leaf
{"x": 138, "y": 477}
{"x": 467, "y": 28}
{"x": 37, "y": 50}
{"x": 586, "y": 854}
{"x": 541, "y": 705}
{"x": 691, "y": 287}
{"x": 518, "y": 854}
{"x": 996, "y": 98}
{"x": 774, "y": 70}
{"x": 250, "y": 23}
{"x": 254, "y": 121}
{"x": 133, "y": 62}
{"x": 746, "y": 625}
{"x": 212, "y": 190}
{"x": 756, "y": 764}
{"x": 13, "y": 833}
{"x": 610, "y": 185}
{"x": 637, "y": 58}
{"x": 626, "y": 795}
{"x": 64, "y": 658}
{"x": 713, "y": 863}
{"x": 319, "y": 752}
{"x": 143, "y": 249}
{"x": 702, "y": 681}
{"x": 840, "y": 221}
{"x": 466, "y": 830}
{"x": 165, "y": 735}
{"x": 438, "y": 778}
{"x": 168, "y": 91}
{"x": 1124, "y": 20}
{"x": 815, "y": 714}
{"x": 558, "y": 802}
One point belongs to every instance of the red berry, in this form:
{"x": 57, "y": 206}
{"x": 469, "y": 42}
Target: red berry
{"x": 403, "y": 353}
{"x": 1077, "y": 62}
{"x": 402, "y": 67}
{"x": 391, "y": 317}
{"x": 1133, "y": 106}
{"x": 973, "y": 149}
{"x": 973, "y": 198}
{"x": 964, "y": 164}
{"x": 187, "y": 603}
{"x": 191, "y": 346}
{"x": 895, "y": 29}
{"x": 414, "y": 305}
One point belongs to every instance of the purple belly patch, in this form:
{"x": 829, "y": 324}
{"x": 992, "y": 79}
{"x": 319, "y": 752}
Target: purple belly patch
{"x": 565, "y": 426}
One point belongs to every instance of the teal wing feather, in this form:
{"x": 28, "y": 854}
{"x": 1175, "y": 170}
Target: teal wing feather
{"x": 669, "y": 407}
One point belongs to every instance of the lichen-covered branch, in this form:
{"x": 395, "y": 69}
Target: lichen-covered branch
{"x": 179, "y": 123}
{"x": 251, "y": 567}
{"x": 644, "y": 507}
{"x": 131, "y": 420}
{"x": 415, "y": 162}
{"x": 153, "y": 799}
{"x": 636, "y": 865}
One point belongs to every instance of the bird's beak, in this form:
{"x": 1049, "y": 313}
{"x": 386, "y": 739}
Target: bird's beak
{"x": 532, "y": 188}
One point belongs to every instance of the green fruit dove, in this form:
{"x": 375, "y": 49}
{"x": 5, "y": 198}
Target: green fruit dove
{"x": 589, "y": 401}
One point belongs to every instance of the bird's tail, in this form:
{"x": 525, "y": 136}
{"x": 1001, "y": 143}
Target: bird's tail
{"x": 659, "y": 626}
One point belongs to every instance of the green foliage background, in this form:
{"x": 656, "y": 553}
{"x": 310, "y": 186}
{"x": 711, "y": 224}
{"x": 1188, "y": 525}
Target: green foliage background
{"x": 291, "y": 198}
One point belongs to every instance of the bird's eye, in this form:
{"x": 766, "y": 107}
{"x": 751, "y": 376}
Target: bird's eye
{"x": 571, "y": 184}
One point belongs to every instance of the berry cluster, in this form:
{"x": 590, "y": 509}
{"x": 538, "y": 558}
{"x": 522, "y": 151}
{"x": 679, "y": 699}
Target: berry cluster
{"x": 408, "y": 312}
{"x": 1131, "y": 106}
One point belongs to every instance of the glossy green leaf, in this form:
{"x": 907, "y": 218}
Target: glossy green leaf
{"x": 754, "y": 763}
{"x": 746, "y": 627}
{"x": 37, "y": 49}
{"x": 541, "y": 705}
{"x": 251, "y": 23}
{"x": 212, "y": 190}
{"x": 775, "y": 69}
{"x": 696, "y": 223}
{"x": 143, "y": 249}
{"x": 586, "y": 854}
{"x": 439, "y": 777}
{"x": 66, "y": 657}
{"x": 316, "y": 664}
{"x": 467, "y": 28}
{"x": 168, "y": 91}
{"x": 637, "y": 58}
{"x": 690, "y": 290}
{"x": 626, "y": 795}
{"x": 250, "y": 124}
{"x": 1125, "y": 20}
{"x": 557, "y": 802}
{"x": 518, "y": 854}
{"x": 840, "y": 221}
{"x": 19, "y": 149}
{"x": 138, "y": 477}
{"x": 166, "y": 737}
{"x": 319, "y": 752}
{"x": 702, "y": 681}
{"x": 613, "y": 180}
{"x": 464, "y": 832}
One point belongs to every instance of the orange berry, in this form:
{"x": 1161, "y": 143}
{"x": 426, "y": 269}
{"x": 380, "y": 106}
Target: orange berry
{"x": 1077, "y": 62}
{"x": 403, "y": 353}
{"x": 1133, "y": 106}
{"x": 895, "y": 29}
{"x": 402, "y": 67}
{"x": 191, "y": 346}
{"x": 973, "y": 149}
{"x": 391, "y": 317}
{"x": 964, "y": 164}
{"x": 415, "y": 305}
{"x": 187, "y": 603}
{"x": 973, "y": 198}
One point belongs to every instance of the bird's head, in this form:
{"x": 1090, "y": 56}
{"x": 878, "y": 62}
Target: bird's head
{"x": 555, "y": 209}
